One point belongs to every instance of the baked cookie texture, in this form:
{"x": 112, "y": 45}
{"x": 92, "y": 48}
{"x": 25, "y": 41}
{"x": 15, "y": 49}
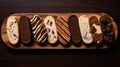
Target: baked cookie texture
{"x": 74, "y": 29}
{"x": 38, "y": 29}
{"x": 63, "y": 30}
{"x": 12, "y": 29}
{"x": 50, "y": 25}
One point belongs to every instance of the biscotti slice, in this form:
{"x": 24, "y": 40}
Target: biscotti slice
{"x": 12, "y": 30}
{"x": 74, "y": 29}
{"x": 25, "y": 30}
{"x": 95, "y": 29}
{"x": 107, "y": 28}
{"x": 50, "y": 25}
{"x": 63, "y": 30}
{"x": 85, "y": 29}
{"x": 38, "y": 29}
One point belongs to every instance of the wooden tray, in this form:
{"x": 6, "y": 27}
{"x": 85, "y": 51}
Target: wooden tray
{"x": 58, "y": 46}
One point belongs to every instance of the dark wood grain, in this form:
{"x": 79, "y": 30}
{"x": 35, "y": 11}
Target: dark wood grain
{"x": 47, "y": 58}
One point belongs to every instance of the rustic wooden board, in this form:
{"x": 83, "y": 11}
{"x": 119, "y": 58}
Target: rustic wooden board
{"x": 58, "y": 46}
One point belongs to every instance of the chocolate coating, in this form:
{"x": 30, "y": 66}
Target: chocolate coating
{"x": 74, "y": 29}
{"x": 50, "y": 25}
{"x": 38, "y": 29}
{"x": 25, "y": 30}
{"x": 96, "y": 32}
{"x": 12, "y": 30}
{"x": 63, "y": 30}
{"x": 107, "y": 28}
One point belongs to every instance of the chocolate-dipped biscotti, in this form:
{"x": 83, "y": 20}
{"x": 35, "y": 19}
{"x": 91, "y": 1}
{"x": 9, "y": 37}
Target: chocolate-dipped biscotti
{"x": 107, "y": 28}
{"x": 38, "y": 29}
{"x": 59, "y": 31}
{"x": 95, "y": 29}
{"x": 63, "y": 30}
{"x": 50, "y": 25}
{"x": 25, "y": 30}
{"x": 74, "y": 29}
{"x": 85, "y": 29}
{"x": 12, "y": 30}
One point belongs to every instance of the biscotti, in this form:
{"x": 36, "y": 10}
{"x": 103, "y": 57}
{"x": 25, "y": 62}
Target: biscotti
{"x": 74, "y": 29}
{"x": 95, "y": 29}
{"x": 59, "y": 31}
{"x": 85, "y": 29}
{"x": 12, "y": 29}
{"x": 25, "y": 30}
{"x": 38, "y": 29}
{"x": 107, "y": 28}
{"x": 50, "y": 25}
{"x": 63, "y": 30}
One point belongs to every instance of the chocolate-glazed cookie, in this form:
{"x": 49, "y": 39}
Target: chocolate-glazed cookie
{"x": 12, "y": 30}
{"x": 50, "y": 25}
{"x": 25, "y": 30}
{"x": 107, "y": 28}
{"x": 38, "y": 29}
{"x": 85, "y": 29}
{"x": 63, "y": 30}
{"x": 74, "y": 29}
{"x": 95, "y": 29}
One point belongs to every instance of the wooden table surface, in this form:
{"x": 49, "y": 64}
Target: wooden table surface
{"x": 60, "y": 58}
